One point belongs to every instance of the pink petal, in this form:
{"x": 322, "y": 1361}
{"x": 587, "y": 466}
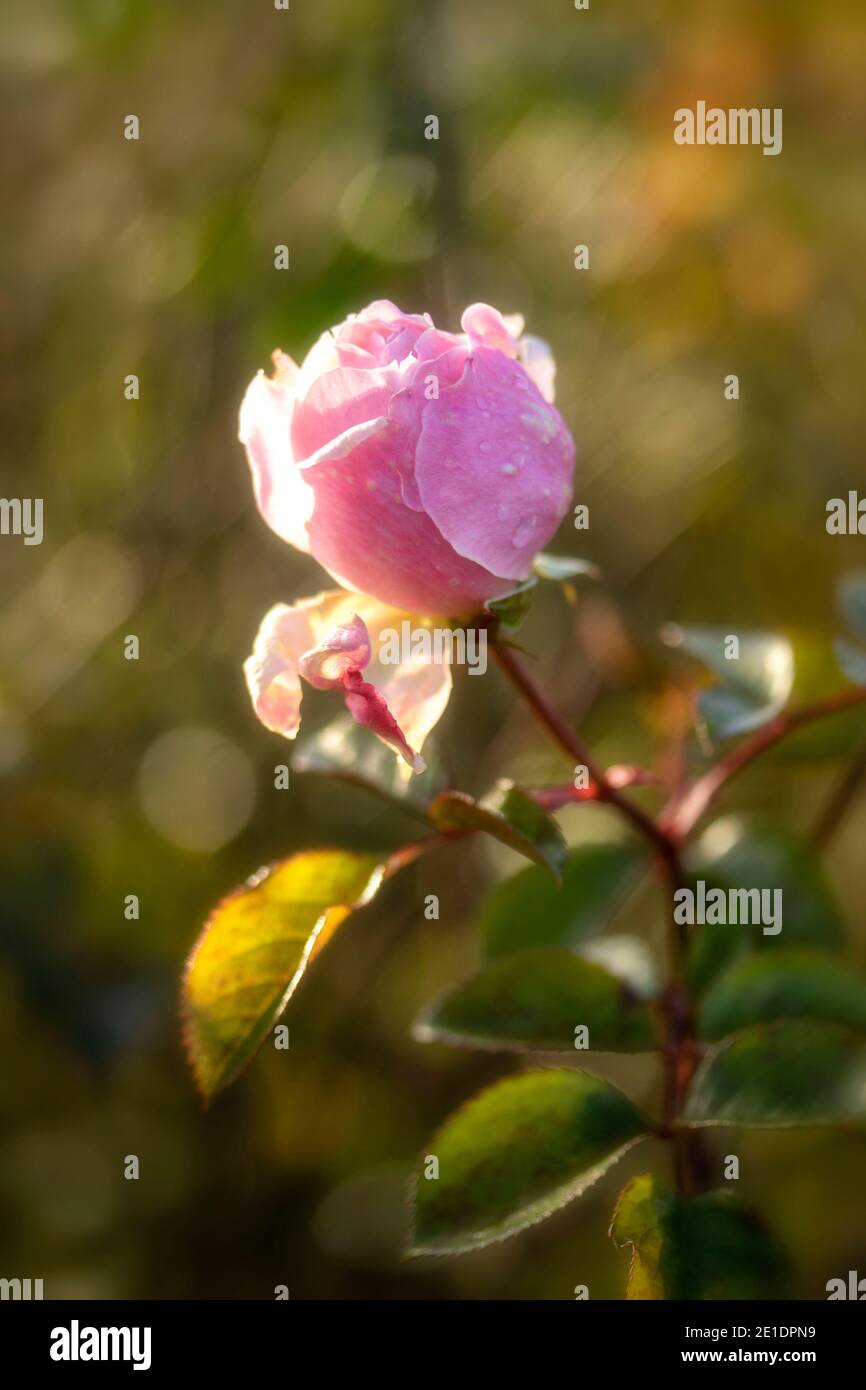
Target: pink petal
{"x": 435, "y": 341}
{"x": 416, "y": 691}
{"x": 345, "y": 648}
{"x": 378, "y": 335}
{"x": 407, "y": 408}
{"x": 345, "y": 443}
{"x": 485, "y": 325}
{"x": 403, "y": 705}
{"x": 372, "y": 542}
{"x": 272, "y": 671}
{"x": 283, "y": 498}
{"x": 536, "y": 357}
{"x": 285, "y": 634}
{"x": 494, "y": 465}
{"x": 337, "y": 401}
{"x": 367, "y": 706}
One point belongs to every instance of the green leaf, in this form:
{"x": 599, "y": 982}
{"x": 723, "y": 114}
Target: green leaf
{"x": 509, "y": 815}
{"x": 344, "y": 749}
{"x": 254, "y": 948}
{"x": 784, "y": 984}
{"x": 629, "y": 959}
{"x": 536, "y": 1000}
{"x": 852, "y": 661}
{"x": 529, "y": 910}
{"x": 515, "y": 1154}
{"x": 563, "y": 567}
{"x": 755, "y": 686}
{"x": 816, "y": 678}
{"x": 852, "y": 601}
{"x": 734, "y": 853}
{"x": 708, "y": 1247}
{"x": 511, "y": 609}
{"x": 781, "y": 1074}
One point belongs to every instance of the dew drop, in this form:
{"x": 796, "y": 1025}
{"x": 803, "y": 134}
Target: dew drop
{"x": 484, "y": 447}
{"x": 508, "y": 468}
{"x": 523, "y": 532}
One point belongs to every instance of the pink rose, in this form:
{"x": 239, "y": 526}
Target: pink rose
{"x": 424, "y": 470}
{"x": 421, "y": 467}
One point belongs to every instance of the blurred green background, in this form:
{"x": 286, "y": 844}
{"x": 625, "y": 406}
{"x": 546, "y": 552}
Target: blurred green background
{"x": 153, "y": 778}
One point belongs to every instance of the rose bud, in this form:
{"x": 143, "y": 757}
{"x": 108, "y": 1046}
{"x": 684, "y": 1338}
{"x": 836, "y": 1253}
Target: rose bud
{"x": 421, "y": 467}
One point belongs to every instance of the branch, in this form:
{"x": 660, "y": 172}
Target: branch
{"x": 617, "y": 776}
{"x": 680, "y": 1048}
{"x": 681, "y": 816}
{"x": 569, "y": 743}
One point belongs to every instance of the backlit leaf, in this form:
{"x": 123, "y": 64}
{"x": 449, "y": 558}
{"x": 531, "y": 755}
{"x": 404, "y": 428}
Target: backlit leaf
{"x": 707, "y": 1247}
{"x": 784, "y": 984}
{"x": 255, "y": 947}
{"x": 738, "y": 854}
{"x": 781, "y": 1074}
{"x": 531, "y": 910}
{"x": 754, "y": 686}
{"x": 537, "y": 999}
{"x": 515, "y": 1154}
{"x": 509, "y": 815}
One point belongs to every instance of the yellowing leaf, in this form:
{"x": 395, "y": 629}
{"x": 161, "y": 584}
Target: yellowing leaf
{"x": 255, "y": 947}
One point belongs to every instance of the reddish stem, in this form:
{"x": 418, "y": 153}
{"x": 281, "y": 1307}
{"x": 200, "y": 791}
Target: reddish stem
{"x": 576, "y": 750}
{"x": 680, "y": 1050}
{"x": 682, "y": 815}
{"x": 679, "y": 1054}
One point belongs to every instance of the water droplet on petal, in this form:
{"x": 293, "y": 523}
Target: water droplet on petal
{"x": 523, "y": 532}
{"x": 508, "y": 468}
{"x": 484, "y": 447}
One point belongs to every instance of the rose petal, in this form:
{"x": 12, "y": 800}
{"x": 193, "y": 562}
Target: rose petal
{"x": 345, "y": 443}
{"x": 410, "y": 695}
{"x": 515, "y": 324}
{"x": 435, "y": 341}
{"x": 367, "y": 706}
{"x": 407, "y": 407}
{"x": 416, "y": 691}
{"x": 372, "y": 542}
{"x": 322, "y": 357}
{"x": 272, "y": 670}
{"x": 345, "y": 648}
{"x": 338, "y": 401}
{"x": 485, "y": 325}
{"x": 283, "y": 498}
{"x": 494, "y": 465}
{"x": 379, "y": 335}
{"x": 285, "y": 634}
{"x": 536, "y": 357}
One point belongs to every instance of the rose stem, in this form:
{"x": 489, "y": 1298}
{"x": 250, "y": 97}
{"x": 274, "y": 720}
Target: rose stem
{"x": 680, "y": 1047}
